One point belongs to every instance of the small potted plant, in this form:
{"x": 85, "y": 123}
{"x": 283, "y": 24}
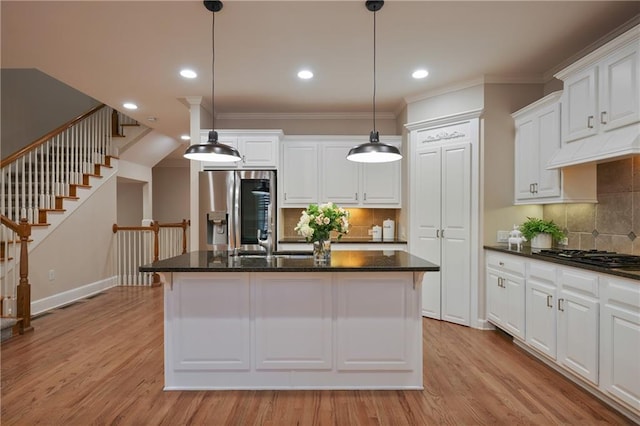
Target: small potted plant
{"x": 541, "y": 232}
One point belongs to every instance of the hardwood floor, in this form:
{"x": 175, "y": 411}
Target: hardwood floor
{"x": 100, "y": 361}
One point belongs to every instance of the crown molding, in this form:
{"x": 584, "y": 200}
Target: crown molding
{"x": 591, "y": 48}
{"x": 443, "y": 90}
{"x": 305, "y": 116}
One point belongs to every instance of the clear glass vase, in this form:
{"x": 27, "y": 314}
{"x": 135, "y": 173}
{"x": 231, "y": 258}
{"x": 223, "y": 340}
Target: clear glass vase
{"x": 322, "y": 252}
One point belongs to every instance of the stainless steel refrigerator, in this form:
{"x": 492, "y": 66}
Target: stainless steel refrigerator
{"x": 237, "y": 207}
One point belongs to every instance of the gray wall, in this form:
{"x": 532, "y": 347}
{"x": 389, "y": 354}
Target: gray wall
{"x": 33, "y": 104}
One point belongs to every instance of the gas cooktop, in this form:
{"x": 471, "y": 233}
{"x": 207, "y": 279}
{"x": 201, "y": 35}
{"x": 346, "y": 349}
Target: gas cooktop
{"x": 601, "y": 258}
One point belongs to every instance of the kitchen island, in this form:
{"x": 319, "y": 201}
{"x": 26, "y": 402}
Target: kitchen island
{"x": 285, "y": 323}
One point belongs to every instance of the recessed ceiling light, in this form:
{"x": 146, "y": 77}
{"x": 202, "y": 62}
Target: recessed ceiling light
{"x": 417, "y": 74}
{"x": 130, "y": 105}
{"x": 185, "y": 137}
{"x": 305, "y": 74}
{"x": 186, "y": 73}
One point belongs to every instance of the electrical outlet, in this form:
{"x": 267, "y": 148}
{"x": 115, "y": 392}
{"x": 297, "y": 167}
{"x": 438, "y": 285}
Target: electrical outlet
{"x": 503, "y": 237}
{"x": 370, "y": 232}
{"x": 52, "y": 275}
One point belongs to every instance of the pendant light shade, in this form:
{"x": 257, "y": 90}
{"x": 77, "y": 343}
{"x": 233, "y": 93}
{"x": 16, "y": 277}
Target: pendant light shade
{"x": 374, "y": 151}
{"x": 212, "y": 150}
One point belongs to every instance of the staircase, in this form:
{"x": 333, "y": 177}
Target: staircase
{"x": 39, "y": 185}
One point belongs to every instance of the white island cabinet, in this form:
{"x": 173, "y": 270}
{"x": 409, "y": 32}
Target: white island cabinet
{"x": 285, "y": 323}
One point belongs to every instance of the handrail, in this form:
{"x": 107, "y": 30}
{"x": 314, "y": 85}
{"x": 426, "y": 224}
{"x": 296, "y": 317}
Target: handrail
{"x": 32, "y": 146}
{"x": 154, "y": 227}
{"x": 23, "y": 306}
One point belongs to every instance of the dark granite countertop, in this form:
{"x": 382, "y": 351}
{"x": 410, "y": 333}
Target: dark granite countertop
{"x": 526, "y": 252}
{"x": 343, "y": 241}
{"x": 341, "y": 261}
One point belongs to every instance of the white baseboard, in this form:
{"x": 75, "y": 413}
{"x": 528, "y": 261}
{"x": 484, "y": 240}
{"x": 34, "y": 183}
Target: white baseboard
{"x": 66, "y": 297}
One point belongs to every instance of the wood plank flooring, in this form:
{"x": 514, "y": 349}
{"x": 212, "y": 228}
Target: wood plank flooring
{"x": 100, "y": 362}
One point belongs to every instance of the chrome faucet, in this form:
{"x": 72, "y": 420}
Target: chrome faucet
{"x": 266, "y": 243}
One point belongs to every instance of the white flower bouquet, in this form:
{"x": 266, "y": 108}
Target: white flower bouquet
{"x": 317, "y": 222}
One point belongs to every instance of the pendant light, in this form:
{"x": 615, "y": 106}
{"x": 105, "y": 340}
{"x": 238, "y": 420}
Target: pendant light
{"x": 212, "y": 150}
{"x": 374, "y": 151}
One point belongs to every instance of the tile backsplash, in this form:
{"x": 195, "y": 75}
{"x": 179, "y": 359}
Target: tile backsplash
{"x": 361, "y": 220}
{"x": 614, "y": 223}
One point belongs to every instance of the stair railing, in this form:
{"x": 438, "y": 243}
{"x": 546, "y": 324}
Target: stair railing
{"x": 33, "y": 179}
{"x": 139, "y": 245}
{"x": 15, "y": 289}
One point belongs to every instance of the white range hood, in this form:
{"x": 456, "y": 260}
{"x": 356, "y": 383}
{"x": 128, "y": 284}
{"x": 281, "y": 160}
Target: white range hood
{"x": 606, "y": 146}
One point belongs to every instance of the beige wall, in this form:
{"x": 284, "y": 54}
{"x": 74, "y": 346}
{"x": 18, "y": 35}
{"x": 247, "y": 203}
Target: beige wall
{"x": 80, "y": 250}
{"x": 129, "y": 203}
{"x": 455, "y": 102}
{"x": 614, "y": 223}
{"x": 171, "y": 194}
{"x": 498, "y": 166}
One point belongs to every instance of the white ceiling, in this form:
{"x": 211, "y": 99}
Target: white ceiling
{"x": 132, "y": 51}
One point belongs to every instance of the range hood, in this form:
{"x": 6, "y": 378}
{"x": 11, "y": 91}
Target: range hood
{"x": 606, "y": 146}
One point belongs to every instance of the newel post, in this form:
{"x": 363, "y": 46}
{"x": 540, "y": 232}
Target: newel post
{"x": 23, "y": 307}
{"x": 185, "y": 224}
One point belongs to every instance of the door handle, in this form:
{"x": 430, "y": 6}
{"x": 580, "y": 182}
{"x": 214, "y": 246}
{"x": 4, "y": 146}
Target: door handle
{"x": 365, "y": 196}
{"x": 442, "y": 233}
{"x": 535, "y": 188}
{"x": 356, "y": 196}
{"x": 499, "y": 281}
{"x": 549, "y": 304}
{"x": 603, "y": 117}
{"x": 437, "y": 233}
{"x": 285, "y": 196}
{"x": 560, "y": 305}
{"x": 590, "y": 122}
{"x": 531, "y": 188}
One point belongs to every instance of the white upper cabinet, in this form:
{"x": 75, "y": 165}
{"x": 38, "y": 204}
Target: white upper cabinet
{"x": 602, "y": 90}
{"x": 335, "y": 178}
{"x": 340, "y": 177}
{"x": 537, "y": 140}
{"x": 258, "y": 148}
{"x": 298, "y": 177}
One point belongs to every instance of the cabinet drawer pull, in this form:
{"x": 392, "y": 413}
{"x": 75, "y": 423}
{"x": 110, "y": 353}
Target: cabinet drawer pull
{"x": 549, "y": 304}
{"x": 560, "y": 305}
{"x": 603, "y": 117}
{"x": 590, "y": 122}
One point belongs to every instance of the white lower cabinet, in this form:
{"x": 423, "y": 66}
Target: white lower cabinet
{"x": 506, "y": 294}
{"x": 541, "y": 310}
{"x": 587, "y": 323}
{"x": 578, "y": 319}
{"x": 620, "y": 340}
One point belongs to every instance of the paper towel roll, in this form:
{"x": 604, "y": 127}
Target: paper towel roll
{"x": 388, "y": 230}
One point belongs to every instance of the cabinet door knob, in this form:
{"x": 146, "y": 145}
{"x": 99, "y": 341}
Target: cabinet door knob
{"x": 549, "y": 304}
{"x": 501, "y": 263}
{"x": 603, "y": 117}
{"x": 590, "y": 122}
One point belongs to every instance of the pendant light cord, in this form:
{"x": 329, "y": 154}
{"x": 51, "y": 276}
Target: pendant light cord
{"x": 213, "y": 62}
{"x": 374, "y": 70}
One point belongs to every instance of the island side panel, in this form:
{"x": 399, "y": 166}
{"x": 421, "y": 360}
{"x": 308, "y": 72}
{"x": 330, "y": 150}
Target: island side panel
{"x": 263, "y": 330}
